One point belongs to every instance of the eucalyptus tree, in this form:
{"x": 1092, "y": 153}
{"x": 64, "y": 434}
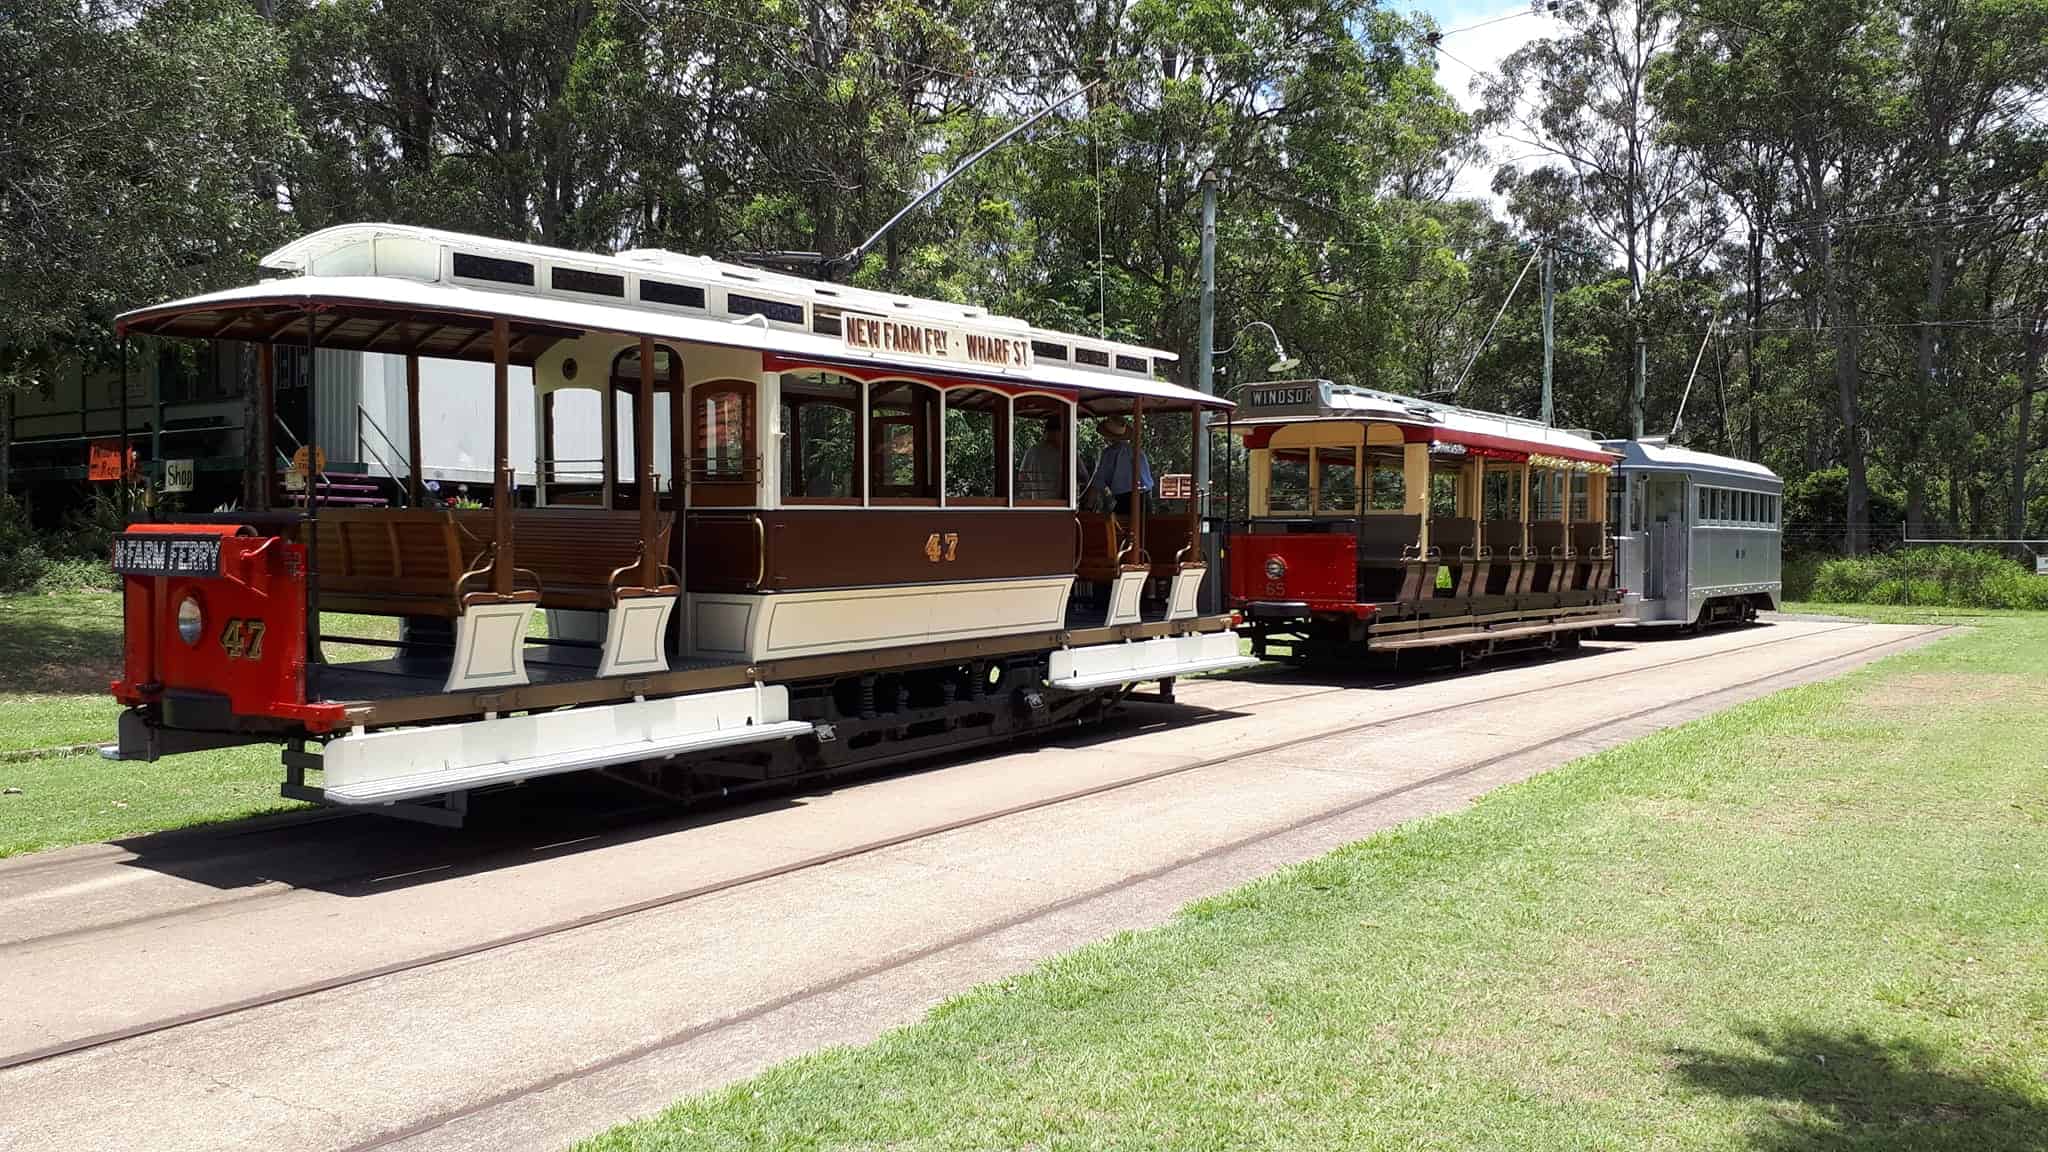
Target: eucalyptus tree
{"x": 1583, "y": 99}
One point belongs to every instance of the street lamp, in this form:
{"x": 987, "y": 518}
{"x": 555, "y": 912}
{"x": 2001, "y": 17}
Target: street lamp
{"x": 1282, "y": 362}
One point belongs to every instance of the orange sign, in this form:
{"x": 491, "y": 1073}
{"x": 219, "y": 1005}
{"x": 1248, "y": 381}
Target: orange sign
{"x": 299, "y": 461}
{"x": 103, "y": 460}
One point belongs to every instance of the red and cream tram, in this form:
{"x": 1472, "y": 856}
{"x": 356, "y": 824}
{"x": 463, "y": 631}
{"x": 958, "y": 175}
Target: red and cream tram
{"x": 826, "y": 527}
{"x": 1378, "y": 522}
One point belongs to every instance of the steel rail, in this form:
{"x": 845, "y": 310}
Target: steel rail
{"x": 822, "y": 859}
{"x": 1322, "y": 816}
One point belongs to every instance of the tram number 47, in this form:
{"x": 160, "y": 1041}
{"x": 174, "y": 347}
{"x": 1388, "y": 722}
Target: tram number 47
{"x": 942, "y": 547}
{"x": 243, "y": 639}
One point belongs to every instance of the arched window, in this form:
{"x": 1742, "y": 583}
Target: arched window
{"x": 724, "y": 462}
{"x": 625, "y": 391}
{"x": 903, "y": 462}
{"x": 1044, "y": 451}
{"x": 977, "y": 447}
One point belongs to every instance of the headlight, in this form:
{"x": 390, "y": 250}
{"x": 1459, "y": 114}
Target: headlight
{"x": 188, "y": 620}
{"x": 1276, "y": 568}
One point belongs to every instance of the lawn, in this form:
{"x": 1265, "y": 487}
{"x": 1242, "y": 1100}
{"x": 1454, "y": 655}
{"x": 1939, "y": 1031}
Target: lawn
{"x": 1811, "y": 923}
{"x": 57, "y": 655}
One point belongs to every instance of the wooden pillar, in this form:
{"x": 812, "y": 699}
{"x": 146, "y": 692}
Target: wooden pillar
{"x": 1525, "y": 505}
{"x": 1415, "y": 487}
{"x": 266, "y": 426}
{"x": 501, "y": 439}
{"x": 414, "y": 483}
{"x": 1195, "y": 447}
{"x": 608, "y": 423}
{"x": 643, "y": 464}
{"x": 1137, "y": 496}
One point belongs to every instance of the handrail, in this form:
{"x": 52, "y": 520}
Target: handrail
{"x": 760, "y": 554}
{"x": 362, "y": 415}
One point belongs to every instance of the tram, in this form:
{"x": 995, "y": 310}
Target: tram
{"x": 1375, "y": 522}
{"x": 827, "y": 528}
{"x": 1698, "y": 535}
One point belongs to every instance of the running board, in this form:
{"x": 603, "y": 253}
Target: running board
{"x": 1466, "y": 636}
{"x": 408, "y": 763}
{"x": 1105, "y": 665}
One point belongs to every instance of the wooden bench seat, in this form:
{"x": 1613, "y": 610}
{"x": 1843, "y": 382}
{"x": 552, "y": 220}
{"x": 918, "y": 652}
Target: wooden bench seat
{"x": 438, "y": 562}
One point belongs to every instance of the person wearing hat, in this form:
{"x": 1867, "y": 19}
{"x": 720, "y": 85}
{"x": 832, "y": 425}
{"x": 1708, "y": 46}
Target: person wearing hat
{"x": 1113, "y": 468}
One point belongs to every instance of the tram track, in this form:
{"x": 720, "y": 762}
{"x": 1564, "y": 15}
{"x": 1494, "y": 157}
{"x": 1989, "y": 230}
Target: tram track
{"x": 814, "y": 861}
{"x": 907, "y": 957}
{"x": 415, "y": 857}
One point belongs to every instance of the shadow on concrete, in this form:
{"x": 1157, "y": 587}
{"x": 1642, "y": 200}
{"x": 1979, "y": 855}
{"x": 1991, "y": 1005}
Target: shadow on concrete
{"x": 1851, "y": 1092}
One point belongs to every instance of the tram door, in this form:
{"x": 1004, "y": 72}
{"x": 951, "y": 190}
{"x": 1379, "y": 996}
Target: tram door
{"x": 1664, "y": 537}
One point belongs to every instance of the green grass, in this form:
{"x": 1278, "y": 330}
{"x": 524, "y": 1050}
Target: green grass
{"x": 1812, "y": 923}
{"x": 57, "y": 655}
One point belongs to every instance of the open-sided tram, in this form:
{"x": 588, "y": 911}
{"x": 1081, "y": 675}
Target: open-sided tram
{"x": 1383, "y": 523}
{"x": 829, "y": 527}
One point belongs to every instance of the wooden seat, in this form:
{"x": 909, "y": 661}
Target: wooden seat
{"x": 1392, "y": 564}
{"x": 1101, "y": 547}
{"x": 1456, "y": 539}
{"x": 1507, "y": 566}
{"x": 438, "y": 562}
{"x": 1594, "y": 567}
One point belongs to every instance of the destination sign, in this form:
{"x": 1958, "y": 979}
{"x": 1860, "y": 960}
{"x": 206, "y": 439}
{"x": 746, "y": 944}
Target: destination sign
{"x": 1311, "y": 394}
{"x": 154, "y": 555}
{"x": 891, "y": 336}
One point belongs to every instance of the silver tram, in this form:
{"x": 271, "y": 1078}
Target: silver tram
{"x": 1698, "y": 535}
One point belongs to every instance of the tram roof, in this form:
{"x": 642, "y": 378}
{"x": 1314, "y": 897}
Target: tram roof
{"x": 1276, "y": 402}
{"x": 390, "y": 288}
{"x": 1656, "y": 454}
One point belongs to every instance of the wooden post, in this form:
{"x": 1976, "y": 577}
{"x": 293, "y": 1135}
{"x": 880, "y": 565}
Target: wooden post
{"x": 1194, "y": 490}
{"x": 413, "y": 481}
{"x": 263, "y": 434}
{"x": 1137, "y": 496}
{"x": 643, "y": 463}
{"x": 1525, "y": 506}
{"x": 126, "y": 511}
{"x": 501, "y": 496}
{"x": 608, "y": 423}
{"x": 1415, "y": 488}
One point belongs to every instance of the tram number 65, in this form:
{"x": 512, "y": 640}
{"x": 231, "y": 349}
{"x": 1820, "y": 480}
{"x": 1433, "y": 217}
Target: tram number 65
{"x": 938, "y": 547}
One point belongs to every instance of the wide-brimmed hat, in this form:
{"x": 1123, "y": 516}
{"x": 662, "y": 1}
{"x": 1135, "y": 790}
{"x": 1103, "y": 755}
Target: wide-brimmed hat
{"x": 1114, "y": 427}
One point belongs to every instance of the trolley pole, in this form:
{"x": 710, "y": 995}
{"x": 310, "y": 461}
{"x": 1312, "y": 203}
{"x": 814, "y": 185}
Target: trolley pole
{"x": 1549, "y": 302}
{"x": 1205, "y": 380}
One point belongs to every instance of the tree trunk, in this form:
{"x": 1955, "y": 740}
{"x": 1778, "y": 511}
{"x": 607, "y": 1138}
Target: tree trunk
{"x": 1756, "y": 318}
{"x": 1848, "y": 386}
{"x": 6, "y": 437}
{"x": 2022, "y": 443}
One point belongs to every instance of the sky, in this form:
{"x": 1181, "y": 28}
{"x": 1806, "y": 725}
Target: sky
{"x": 1479, "y": 34}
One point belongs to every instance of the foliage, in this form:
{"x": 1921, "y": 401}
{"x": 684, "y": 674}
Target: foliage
{"x": 1860, "y": 186}
{"x": 73, "y": 560}
{"x": 1944, "y": 577}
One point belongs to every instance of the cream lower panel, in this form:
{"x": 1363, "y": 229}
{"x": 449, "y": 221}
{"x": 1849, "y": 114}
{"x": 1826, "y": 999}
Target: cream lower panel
{"x": 785, "y": 624}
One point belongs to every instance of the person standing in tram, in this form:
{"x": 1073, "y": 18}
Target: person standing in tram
{"x": 1113, "y": 469}
{"x": 1039, "y": 469}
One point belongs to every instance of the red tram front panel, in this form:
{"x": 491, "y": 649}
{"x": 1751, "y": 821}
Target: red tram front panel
{"x": 1318, "y": 569}
{"x": 209, "y": 611}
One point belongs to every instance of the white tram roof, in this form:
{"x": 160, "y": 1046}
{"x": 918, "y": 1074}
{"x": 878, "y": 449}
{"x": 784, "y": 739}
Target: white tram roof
{"x": 556, "y": 293}
{"x": 1292, "y": 401}
{"x": 1657, "y": 455}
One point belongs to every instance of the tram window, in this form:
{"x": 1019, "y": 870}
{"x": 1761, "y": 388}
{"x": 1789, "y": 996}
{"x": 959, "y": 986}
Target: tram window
{"x": 1443, "y": 493}
{"x": 1042, "y": 447}
{"x": 819, "y": 437}
{"x": 901, "y": 421}
{"x": 977, "y": 436}
{"x": 1617, "y": 502}
{"x": 1706, "y": 504}
{"x": 1287, "y": 480}
{"x": 1503, "y": 491}
{"x": 1337, "y": 481}
{"x": 1582, "y": 496}
{"x": 722, "y": 419}
{"x": 1547, "y": 489}
{"x": 1387, "y": 482}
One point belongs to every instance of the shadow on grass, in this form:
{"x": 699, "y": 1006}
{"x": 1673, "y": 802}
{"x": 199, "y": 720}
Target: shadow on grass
{"x": 1850, "y": 1092}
